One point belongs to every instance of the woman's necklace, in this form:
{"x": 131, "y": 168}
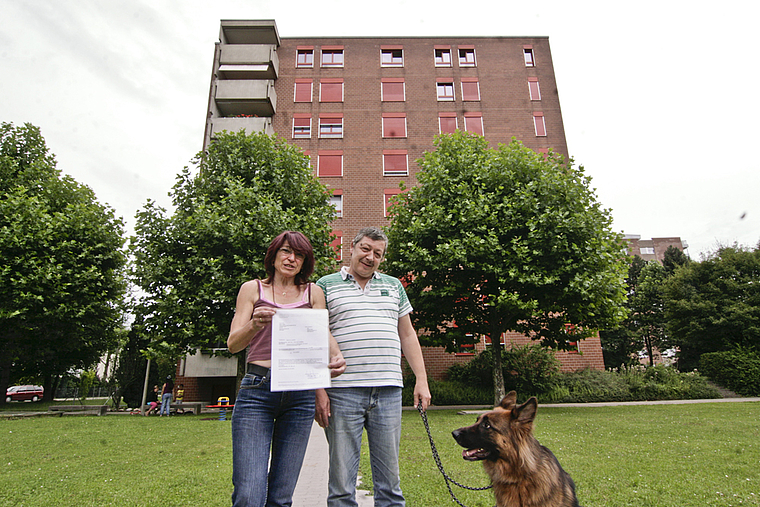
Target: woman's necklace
{"x": 284, "y": 289}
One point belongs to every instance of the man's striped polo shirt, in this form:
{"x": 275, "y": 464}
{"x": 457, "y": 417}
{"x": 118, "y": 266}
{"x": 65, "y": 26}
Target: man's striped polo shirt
{"x": 365, "y": 325}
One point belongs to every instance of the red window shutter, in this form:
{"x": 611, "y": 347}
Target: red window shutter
{"x": 447, "y": 124}
{"x": 473, "y": 122}
{"x": 540, "y": 124}
{"x": 331, "y": 90}
{"x": 393, "y": 90}
{"x": 470, "y": 90}
{"x": 535, "y": 92}
{"x": 330, "y": 163}
{"x": 395, "y": 162}
{"x": 394, "y": 125}
{"x": 303, "y": 90}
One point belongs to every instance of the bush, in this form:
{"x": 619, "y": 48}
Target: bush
{"x": 737, "y": 369}
{"x": 449, "y": 393}
{"x": 588, "y": 385}
{"x": 529, "y": 370}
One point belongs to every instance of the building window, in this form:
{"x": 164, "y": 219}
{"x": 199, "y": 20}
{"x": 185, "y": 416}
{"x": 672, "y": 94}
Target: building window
{"x": 646, "y": 250}
{"x": 303, "y": 90}
{"x": 529, "y": 60}
{"x": 466, "y": 348}
{"x": 330, "y": 163}
{"x": 447, "y": 123}
{"x": 395, "y": 163}
{"x": 331, "y": 126}
{"x": 332, "y": 56}
{"x": 445, "y": 90}
{"x": 305, "y": 57}
{"x": 473, "y": 122}
{"x": 470, "y": 89}
{"x": 540, "y": 124}
{"x": 388, "y": 195}
{"x": 535, "y": 91}
{"x": 391, "y": 56}
{"x": 337, "y": 244}
{"x": 336, "y": 200}
{"x": 394, "y": 125}
{"x": 331, "y": 90}
{"x": 392, "y": 90}
{"x": 442, "y": 56}
{"x": 467, "y": 56}
{"x": 301, "y": 126}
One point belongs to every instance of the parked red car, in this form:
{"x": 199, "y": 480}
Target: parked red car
{"x": 23, "y": 393}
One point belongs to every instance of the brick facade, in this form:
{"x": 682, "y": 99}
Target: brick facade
{"x": 589, "y": 355}
{"x": 506, "y": 85}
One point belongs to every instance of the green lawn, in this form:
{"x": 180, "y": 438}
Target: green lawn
{"x": 658, "y": 455}
{"x": 653, "y": 455}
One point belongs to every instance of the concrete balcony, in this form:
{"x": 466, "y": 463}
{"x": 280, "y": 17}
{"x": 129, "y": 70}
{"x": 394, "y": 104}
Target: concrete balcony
{"x": 251, "y": 125}
{"x": 245, "y": 96}
{"x": 248, "y": 61}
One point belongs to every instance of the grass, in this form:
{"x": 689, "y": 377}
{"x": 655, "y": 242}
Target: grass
{"x": 651, "y": 455}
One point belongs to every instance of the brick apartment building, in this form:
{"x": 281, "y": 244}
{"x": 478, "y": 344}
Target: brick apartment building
{"x": 652, "y": 249}
{"x": 366, "y": 108}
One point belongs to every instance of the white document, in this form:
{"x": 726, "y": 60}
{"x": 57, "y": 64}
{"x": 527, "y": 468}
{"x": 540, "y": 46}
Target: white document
{"x": 300, "y": 349}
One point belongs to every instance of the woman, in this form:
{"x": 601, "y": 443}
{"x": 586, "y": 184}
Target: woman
{"x": 263, "y": 420}
{"x": 166, "y": 396}
{"x": 152, "y": 400}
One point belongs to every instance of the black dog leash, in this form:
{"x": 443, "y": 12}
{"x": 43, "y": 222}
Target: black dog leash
{"x": 437, "y": 459}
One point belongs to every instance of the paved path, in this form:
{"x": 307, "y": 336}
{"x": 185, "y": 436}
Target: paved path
{"x": 311, "y": 490}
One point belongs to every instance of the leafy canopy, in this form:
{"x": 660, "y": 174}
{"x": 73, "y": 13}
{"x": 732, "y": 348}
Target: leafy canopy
{"x": 714, "y": 305}
{"x": 246, "y": 190}
{"x": 61, "y": 264}
{"x": 504, "y": 239}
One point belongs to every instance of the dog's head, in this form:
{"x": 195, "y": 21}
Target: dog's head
{"x": 497, "y": 433}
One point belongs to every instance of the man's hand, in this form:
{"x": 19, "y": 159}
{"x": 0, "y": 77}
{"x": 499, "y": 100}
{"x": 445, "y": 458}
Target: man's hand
{"x": 337, "y": 365}
{"x": 322, "y": 412}
{"x": 422, "y": 394}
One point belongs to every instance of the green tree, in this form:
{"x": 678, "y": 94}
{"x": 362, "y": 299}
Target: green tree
{"x": 246, "y": 190}
{"x": 621, "y": 345}
{"x": 61, "y": 265}
{"x": 504, "y": 239}
{"x": 673, "y": 259}
{"x": 647, "y": 309}
{"x": 714, "y": 305}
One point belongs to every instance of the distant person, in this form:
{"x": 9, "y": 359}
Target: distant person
{"x": 166, "y": 396}
{"x": 152, "y": 400}
{"x": 370, "y": 319}
{"x": 270, "y": 430}
{"x": 179, "y": 395}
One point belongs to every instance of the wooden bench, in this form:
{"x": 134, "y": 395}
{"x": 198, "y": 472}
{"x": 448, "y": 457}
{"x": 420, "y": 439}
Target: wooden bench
{"x": 195, "y": 406}
{"x": 94, "y": 409}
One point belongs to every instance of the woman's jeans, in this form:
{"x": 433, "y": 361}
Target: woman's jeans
{"x": 378, "y": 410}
{"x": 166, "y": 400}
{"x": 263, "y": 420}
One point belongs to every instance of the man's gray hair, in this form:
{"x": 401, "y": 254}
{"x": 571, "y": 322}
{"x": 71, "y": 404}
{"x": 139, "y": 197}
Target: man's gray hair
{"x": 373, "y": 233}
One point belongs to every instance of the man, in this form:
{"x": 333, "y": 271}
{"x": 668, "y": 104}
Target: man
{"x": 369, "y": 317}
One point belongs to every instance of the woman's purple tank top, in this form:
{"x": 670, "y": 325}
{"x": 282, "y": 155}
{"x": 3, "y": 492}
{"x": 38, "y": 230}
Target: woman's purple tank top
{"x": 260, "y": 348}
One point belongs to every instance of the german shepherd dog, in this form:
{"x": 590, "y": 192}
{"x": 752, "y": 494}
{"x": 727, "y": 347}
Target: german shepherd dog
{"x": 523, "y": 472}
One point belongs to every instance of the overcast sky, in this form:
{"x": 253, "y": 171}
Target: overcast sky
{"x": 659, "y": 99}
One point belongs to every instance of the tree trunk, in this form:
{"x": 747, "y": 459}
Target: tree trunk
{"x": 498, "y": 374}
{"x": 49, "y": 385}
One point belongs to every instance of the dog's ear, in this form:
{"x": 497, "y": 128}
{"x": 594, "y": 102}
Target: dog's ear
{"x": 509, "y": 400}
{"x": 526, "y": 412}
